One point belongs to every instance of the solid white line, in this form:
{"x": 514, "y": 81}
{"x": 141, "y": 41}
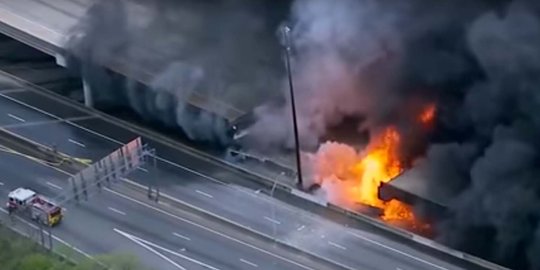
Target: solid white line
{"x": 117, "y": 211}
{"x": 16, "y": 118}
{"x": 77, "y": 143}
{"x": 248, "y": 262}
{"x": 47, "y": 122}
{"x": 272, "y": 220}
{"x": 142, "y": 169}
{"x": 204, "y": 194}
{"x": 181, "y": 236}
{"x": 171, "y": 197}
{"x": 337, "y": 245}
{"x": 399, "y": 251}
{"x": 134, "y": 239}
{"x": 139, "y": 240}
{"x": 211, "y": 230}
{"x": 54, "y": 186}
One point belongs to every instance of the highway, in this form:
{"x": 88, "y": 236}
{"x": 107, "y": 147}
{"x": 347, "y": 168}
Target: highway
{"x": 210, "y": 187}
{"x": 122, "y": 221}
{"x": 187, "y": 178}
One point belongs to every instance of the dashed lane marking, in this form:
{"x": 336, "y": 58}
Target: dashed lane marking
{"x": 182, "y": 236}
{"x": 16, "y": 118}
{"x": 248, "y": 262}
{"x": 336, "y": 245}
{"x": 54, "y": 186}
{"x": 117, "y": 211}
{"x": 272, "y": 220}
{"x": 77, "y": 143}
{"x": 204, "y": 194}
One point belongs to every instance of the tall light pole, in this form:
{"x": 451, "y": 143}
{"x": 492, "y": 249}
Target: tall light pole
{"x": 287, "y": 44}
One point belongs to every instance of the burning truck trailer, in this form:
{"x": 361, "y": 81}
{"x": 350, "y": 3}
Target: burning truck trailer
{"x": 410, "y": 188}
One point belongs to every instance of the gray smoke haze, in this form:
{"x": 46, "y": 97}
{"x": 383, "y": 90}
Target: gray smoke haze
{"x": 479, "y": 62}
{"x": 219, "y": 55}
{"x": 338, "y": 51}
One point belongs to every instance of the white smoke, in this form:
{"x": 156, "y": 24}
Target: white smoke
{"x": 340, "y": 51}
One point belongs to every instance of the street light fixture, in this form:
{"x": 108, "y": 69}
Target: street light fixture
{"x": 287, "y": 44}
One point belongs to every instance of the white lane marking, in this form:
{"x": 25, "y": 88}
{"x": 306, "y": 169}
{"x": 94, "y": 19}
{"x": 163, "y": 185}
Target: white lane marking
{"x": 142, "y": 169}
{"x": 272, "y": 220}
{"x": 301, "y": 228}
{"x": 248, "y": 262}
{"x": 117, "y": 211}
{"x": 399, "y": 251}
{"x": 182, "y": 236}
{"x": 212, "y": 230}
{"x": 1, "y": 184}
{"x": 16, "y": 118}
{"x": 336, "y": 245}
{"x": 77, "y": 143}
{"x": 54, "y": 186}
{"x": 171, "y": 197}
{"x": 140, "y": 241}
{"x": 209, "y": 178}
{"x": 204, "y": 194}
{"x": 47, "y": 122}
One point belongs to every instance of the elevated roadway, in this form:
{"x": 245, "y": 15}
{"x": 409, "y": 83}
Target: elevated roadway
{"x": 47, "y": 25}
{"x": 189, "y": 179}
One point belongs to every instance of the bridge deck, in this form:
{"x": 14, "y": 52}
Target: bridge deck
{"x": 46, "y": 24}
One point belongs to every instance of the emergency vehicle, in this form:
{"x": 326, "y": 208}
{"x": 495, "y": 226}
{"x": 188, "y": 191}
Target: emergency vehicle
{"x": 37, "y": 207}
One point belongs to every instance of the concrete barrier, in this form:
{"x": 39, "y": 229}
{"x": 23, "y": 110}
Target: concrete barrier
{"x": 256, "y": 176}
{"x": 419, "y": 239}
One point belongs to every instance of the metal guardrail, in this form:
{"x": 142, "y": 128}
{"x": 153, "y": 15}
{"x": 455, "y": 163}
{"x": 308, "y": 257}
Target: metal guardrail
{"x": 171, "y": 201}
{"x": 258, "y": 177}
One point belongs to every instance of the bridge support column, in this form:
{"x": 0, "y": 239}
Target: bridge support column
{"x": 88, "y": 97}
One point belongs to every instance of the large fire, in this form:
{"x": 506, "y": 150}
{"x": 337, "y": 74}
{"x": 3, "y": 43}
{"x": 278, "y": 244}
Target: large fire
{"x": 353, "y": 178}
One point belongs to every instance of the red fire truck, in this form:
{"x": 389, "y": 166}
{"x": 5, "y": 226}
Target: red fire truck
{"x": 36, "y": 206}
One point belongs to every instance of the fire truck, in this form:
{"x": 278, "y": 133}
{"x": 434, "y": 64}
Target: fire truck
{"x": 37, "y": 207}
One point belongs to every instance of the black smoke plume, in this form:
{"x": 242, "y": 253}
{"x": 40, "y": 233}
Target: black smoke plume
{"x": 478, "y": 61}
{"x": 378, "y": 61}
{"x": 179, "y": 53}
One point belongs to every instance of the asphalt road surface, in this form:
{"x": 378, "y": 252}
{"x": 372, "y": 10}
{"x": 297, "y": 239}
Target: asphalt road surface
{"x": 208, "y": 186}
{"x": 121, "y": 220}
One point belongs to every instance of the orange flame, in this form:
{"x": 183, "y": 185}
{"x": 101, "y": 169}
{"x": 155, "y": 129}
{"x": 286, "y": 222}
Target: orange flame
{"x": 428, "y": 115}
{"x": 379, "y": 165}
{"x": 358, "y": 177}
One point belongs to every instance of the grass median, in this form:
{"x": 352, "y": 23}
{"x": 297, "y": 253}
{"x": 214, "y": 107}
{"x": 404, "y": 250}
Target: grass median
{"x": 20, "y": 253}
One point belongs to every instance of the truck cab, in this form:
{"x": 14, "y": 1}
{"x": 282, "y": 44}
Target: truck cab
{"x": 20, "y": 198}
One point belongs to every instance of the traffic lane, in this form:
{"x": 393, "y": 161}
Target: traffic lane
{"x": 67, "y": 139}
{"x": 86, "y": 226}
{"x": 15, "y": 110}
{"x": 83, "y": 226}
{"x": 95, "y": 137}
{"x": 256, "y": 213}
{"x": 193, "y": 236}
{"x": 10, "y": 104}
{"x": 219, "y": 169}
{"x": 98, "y": 217}
{"x": 277, "y": 219}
